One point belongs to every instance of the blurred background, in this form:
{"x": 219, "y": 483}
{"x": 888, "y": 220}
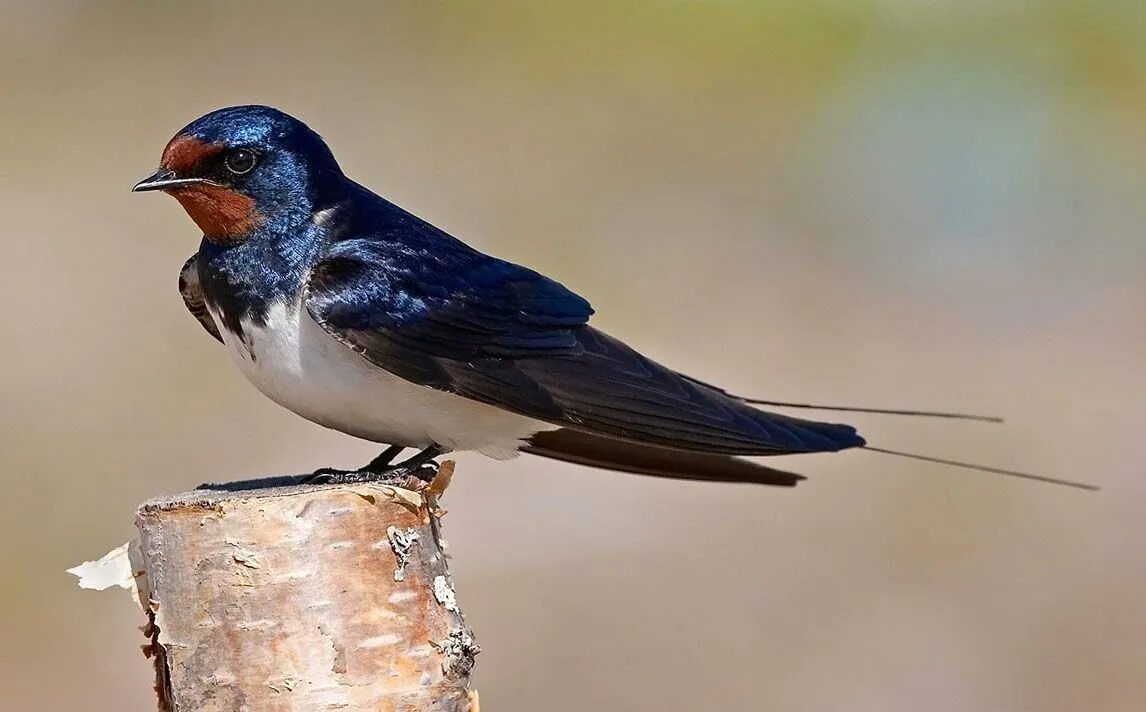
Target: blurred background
{"x": 929, "y": 203}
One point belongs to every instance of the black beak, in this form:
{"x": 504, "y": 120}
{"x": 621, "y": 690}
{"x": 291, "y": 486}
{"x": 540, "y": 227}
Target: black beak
{"x": 163, "y": 179}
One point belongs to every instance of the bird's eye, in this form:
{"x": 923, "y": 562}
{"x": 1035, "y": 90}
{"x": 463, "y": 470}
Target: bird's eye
{"x": 241, "y": 161}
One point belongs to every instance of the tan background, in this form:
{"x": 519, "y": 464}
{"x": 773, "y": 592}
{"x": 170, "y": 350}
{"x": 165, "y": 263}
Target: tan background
{"x": 931, "y": 204}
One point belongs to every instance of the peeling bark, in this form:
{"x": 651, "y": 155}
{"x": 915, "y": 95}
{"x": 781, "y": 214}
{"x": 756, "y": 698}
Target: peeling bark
{"x": 303, "y": 598}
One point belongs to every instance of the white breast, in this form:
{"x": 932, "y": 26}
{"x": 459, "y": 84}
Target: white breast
{"x": 298, "y": 365}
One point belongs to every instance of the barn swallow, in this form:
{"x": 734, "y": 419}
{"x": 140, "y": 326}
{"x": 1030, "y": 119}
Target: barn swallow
{"x": 355, "y": 314}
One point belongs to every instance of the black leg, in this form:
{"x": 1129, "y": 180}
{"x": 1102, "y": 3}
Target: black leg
{"x": 383, "y": 461}
{"x": 415, "y": 464}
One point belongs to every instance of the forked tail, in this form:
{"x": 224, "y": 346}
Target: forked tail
{"x": 927, "y": 458}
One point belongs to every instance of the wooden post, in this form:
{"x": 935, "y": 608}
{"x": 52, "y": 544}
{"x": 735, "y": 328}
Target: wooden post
{"x": 303, "y": 598}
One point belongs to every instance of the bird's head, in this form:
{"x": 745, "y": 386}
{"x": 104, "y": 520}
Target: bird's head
{"x": 242, "y": 168}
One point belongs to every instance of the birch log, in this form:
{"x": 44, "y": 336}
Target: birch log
{"x": 303, "y": 598}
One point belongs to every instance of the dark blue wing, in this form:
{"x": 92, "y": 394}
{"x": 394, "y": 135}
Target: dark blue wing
{"x": 443, "y": 315}
{"x": 452, "y": 302}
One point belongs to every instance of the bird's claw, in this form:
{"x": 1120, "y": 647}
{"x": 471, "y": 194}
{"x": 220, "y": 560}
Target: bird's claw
{"x": 395, "y": 474}
{"x": 324, "y": 476}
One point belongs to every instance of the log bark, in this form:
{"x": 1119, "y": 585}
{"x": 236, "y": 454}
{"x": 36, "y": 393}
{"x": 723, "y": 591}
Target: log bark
{"x": 303, "y": 598}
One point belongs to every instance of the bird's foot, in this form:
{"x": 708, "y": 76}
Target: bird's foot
{"x": 420, "y": 468}
{"x": 394, "y": 474}
{"x": 326, "y": 476}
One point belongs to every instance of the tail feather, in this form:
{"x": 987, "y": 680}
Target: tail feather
{"x": 984, "y": 468}
{"x": 624, "y": 456}
{"x": 847, "y": 408}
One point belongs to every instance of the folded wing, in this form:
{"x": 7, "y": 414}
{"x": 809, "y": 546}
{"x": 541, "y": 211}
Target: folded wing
{"x": 193, "y": 296}
{"x": 463, "y": 322}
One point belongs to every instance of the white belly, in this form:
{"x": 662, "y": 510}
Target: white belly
{"x": 298, "y": 365}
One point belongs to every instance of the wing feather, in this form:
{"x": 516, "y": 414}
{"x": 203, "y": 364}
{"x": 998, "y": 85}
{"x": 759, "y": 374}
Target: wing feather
{"x": 193, "y": 296}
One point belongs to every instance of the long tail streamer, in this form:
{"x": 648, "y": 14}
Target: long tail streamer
{"x": 984, "y": 468}
{"x": 880, "y": 411}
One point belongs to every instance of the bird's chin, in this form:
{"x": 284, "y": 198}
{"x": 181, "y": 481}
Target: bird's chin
{"x": 225, "y": 216}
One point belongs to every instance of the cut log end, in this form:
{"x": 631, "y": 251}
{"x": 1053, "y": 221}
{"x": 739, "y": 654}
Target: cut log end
{"x": 303, "y": 598}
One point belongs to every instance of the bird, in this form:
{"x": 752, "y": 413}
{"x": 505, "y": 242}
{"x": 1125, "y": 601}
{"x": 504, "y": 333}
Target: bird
{"x": 357, "y": 315}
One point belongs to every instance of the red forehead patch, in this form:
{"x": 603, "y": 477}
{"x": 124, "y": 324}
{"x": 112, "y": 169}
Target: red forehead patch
{"x": 184, "y": 152}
